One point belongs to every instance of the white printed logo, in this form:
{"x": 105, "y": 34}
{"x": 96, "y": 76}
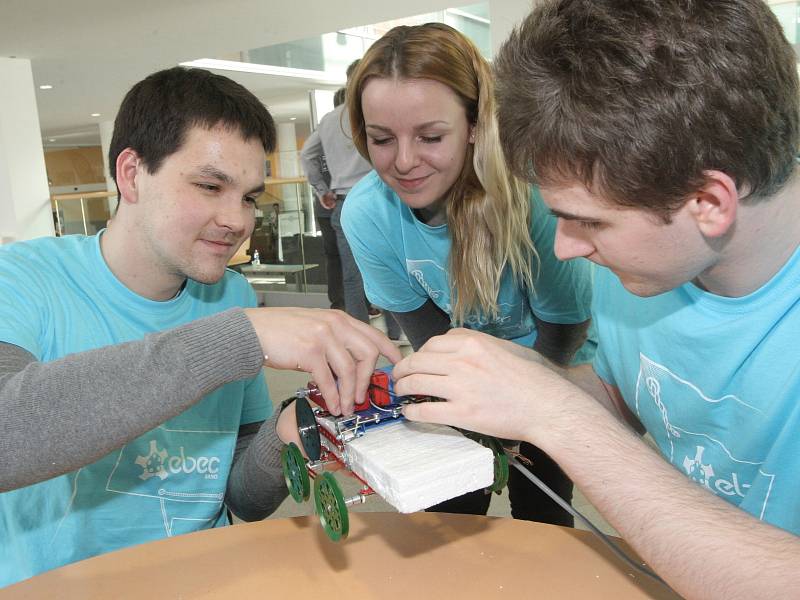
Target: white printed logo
{"x": 153, "y": 464}
{"x": 159, "y": 464}
{"x": 704, "y": 475}
{"x": 416, "y": 268}
{"x": 695, "y": 468}
{"x": 675, "y": 411}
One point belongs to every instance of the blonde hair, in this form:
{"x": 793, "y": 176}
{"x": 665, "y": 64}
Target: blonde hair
{"x": 488, "y": 209}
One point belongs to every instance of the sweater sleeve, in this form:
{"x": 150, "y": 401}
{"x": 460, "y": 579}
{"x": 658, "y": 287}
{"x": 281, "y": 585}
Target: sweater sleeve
{"x": 311, "y": 160}
{"x": 422, "y": 324}
{"x": 61, "y": 415}
{"x": 256, "y": 485}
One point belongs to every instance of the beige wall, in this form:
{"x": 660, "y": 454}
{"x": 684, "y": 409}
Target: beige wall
{"x": 74, "y": 166}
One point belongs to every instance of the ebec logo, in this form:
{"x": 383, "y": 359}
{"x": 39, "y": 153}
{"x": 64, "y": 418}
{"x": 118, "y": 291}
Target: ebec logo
{"x": 158, "y": 463}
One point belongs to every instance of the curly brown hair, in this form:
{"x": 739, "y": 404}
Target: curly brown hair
{"x": 636, "y": 99}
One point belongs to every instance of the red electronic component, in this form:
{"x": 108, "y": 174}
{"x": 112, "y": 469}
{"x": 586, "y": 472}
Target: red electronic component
{"x": 378, "y": 392}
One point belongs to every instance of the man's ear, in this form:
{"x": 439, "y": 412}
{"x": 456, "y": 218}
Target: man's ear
{"x": 714, "y": 205}
{"x": 128, "y": 163}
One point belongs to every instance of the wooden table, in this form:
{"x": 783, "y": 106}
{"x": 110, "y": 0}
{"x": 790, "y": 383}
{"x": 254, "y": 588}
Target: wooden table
{"x": 419, "y": 556}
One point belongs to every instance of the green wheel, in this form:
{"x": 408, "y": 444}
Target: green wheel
{"x": 295, "y": 472}
{"x": 331, "y": 508}
{"x": 500, "y": 464}
{"x": 500, "y": 459}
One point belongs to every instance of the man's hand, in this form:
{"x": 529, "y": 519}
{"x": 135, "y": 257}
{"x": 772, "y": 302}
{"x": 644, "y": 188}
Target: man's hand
{"x": 328, "y": 344}
{"x": 328, "y": 200}
{"x": 491, "y": 386}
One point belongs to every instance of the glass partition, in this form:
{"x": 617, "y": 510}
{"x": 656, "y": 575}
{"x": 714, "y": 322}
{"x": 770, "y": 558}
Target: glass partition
{"x": 333, "y": 52}
{"x": 289, "y": 247}
{"x": 85, "y": 213}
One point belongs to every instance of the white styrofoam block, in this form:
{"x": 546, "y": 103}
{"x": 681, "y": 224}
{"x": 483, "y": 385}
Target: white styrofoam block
{"x": 416, "y": 465}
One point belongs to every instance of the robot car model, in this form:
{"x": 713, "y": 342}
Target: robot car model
{"x": 325, "y": 440}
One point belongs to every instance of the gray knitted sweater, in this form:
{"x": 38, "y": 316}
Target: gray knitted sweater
{"x": 64, "y": 414}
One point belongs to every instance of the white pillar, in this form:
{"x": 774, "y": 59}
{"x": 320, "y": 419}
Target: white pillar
{"x": 291, "y": 219}
{"x": 106, "y": 132}
{"x": 25, "y": 210}
{"x": 287, "y": 149}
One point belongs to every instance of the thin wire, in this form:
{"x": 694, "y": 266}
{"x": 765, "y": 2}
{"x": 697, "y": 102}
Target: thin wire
{"x": 398, "y": 399}
{"x": 567, "y": 507}
{"x": 383, "y": 389}
{"x": 380, "y": 408}
{"x": 558, "y": 500}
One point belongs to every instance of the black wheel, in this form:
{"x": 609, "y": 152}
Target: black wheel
{"x": 295, "y": 473}
{"x": 308, "y": 429}
{"x": 330, "y": 506}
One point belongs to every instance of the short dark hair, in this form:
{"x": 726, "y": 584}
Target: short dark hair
{"x": 158, "y": 111}
{"x": 338, "y": 96}
{"x": 637, "y": 99}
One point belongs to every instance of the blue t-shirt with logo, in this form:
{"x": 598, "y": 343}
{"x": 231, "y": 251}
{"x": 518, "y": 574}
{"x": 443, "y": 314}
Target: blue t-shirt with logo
{"x": 58, "y": 297}
{"x": 404, "y": 262}
{"x": 716, "y": 382}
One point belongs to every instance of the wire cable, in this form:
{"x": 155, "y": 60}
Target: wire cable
{"x": 567, "y": 507}
{"x": 380, "y": 408}
{"x": 558, "y": 500}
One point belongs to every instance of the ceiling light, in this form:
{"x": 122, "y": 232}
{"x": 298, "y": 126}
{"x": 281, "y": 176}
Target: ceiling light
{"x": 234, "y": 65}
{"x": 95, "y": 114}
{"x": 45, "y": 87}
{"x": 293, "y": 118}
{"x": 51, "y": 139}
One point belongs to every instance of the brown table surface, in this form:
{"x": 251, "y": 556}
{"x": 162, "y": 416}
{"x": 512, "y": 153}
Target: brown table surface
{"x": 424, "y": 555}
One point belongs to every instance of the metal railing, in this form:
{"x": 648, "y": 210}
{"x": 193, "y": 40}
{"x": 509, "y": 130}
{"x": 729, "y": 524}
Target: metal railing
{"x": 60, "y": 201}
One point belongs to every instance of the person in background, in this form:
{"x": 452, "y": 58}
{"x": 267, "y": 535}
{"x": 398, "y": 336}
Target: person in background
{"x": 663, "y": 135}
{"x": 331, "y": 140}
{"x": 322, "y": 214}
{"x": 131, "y": 386}
{"x": 444, "y": 235}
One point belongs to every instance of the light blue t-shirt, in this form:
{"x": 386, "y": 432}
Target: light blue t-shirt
{"x": 58, "y": 297}
{"x": 404, "y": 262}
{"x": 716, "y": 382}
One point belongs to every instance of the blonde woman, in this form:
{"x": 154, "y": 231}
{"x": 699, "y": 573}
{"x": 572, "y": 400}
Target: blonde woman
{"x": 444, "y": 235}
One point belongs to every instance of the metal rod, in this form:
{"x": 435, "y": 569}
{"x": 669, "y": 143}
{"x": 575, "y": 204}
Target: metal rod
{"x": 58, "y": 220}
{"x": 567, "y": 507}
{"x": 83, "y": 217}
{"x": 302, "y": 227}
{"x": 358, "y": 499}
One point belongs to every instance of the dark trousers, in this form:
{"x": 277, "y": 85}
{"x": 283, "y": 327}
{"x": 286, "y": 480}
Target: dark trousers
{"x": 333, "y": 263}
{"x": 528, "y": 502}
{"x": 355, "y": 302}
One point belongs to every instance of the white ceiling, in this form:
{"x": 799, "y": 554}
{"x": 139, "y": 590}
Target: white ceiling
{"x": 93, "y": 51}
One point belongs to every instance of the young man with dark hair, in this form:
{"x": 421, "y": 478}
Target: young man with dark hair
{"x": 663, "y": 134}
{"x": 131, "y": 386}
